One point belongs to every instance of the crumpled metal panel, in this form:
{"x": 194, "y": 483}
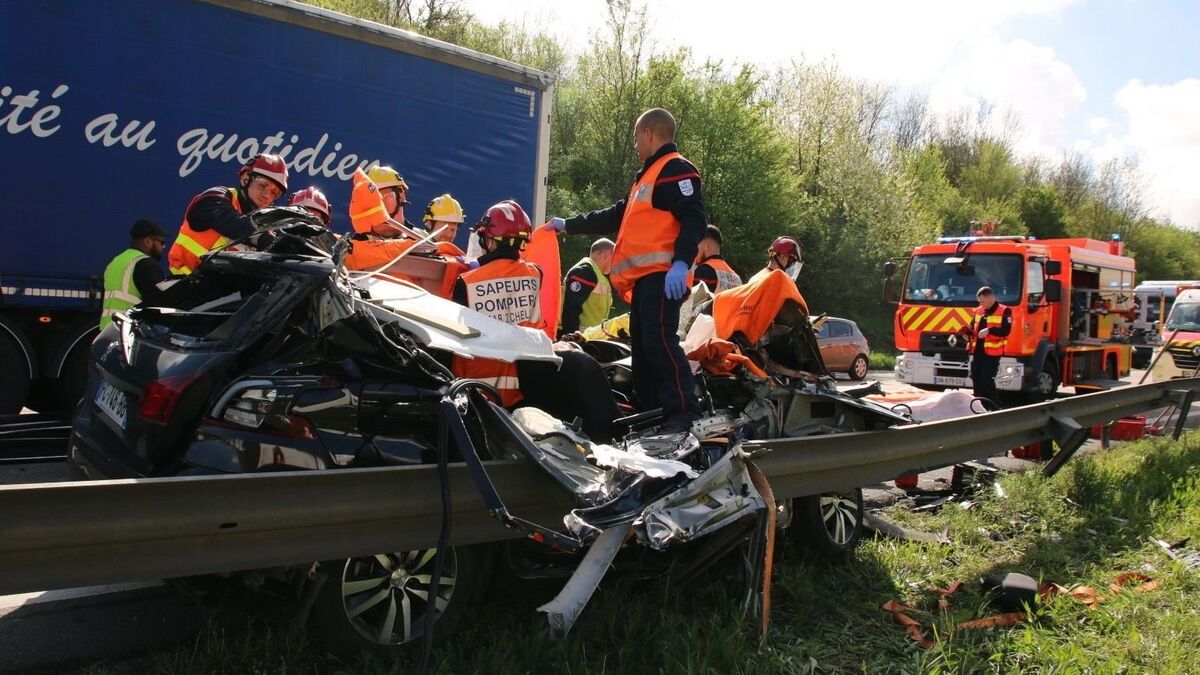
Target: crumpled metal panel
{"x": 720, "y": 496}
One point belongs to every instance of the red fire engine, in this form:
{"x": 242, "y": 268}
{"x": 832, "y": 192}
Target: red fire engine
{"x": 1070, "y": 300}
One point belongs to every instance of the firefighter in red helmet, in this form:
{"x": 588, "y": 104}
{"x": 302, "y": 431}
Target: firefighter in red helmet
{"x": 314, "y": 201}
{"x": 220, "y": 215}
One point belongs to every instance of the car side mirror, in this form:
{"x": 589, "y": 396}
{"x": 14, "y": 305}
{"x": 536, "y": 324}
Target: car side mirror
{"x": 1053, "y": 290}
{"x": 889, "y": 269}
{"x": 889, "y": 291}
{"x": 1054, "y": 268}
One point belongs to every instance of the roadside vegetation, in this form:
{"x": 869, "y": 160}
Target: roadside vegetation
{"x": 1085, "y": 526}
{"x": 882, "y": 361}
{"x": 858, "y": 171}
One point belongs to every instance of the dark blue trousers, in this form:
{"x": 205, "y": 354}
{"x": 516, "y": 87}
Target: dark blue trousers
{"x": 661, "y": 375}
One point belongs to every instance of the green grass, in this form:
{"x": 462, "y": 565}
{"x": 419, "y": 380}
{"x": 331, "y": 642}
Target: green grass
{"x": 882, "y": 361}
{"x": 828, "y": 619}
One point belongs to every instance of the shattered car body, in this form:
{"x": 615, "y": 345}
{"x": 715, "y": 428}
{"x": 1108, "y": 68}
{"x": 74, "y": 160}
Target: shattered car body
{"x": 276, "y": 359}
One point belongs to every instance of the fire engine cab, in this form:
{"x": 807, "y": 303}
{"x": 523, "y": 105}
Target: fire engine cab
{"x": 1071, "y": 300}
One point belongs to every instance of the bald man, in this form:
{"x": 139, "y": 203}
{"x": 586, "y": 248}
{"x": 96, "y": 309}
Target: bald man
{"x": 659, "y": 226}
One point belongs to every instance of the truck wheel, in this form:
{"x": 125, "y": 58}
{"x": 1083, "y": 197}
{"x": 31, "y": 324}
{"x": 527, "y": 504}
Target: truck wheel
{"x": 1045, "y": 385}
{"x": 830, "y": 525}
{"x": 858, "y": 369}
{"x": 379, "y": 603}
{"x": 16, "y": 377}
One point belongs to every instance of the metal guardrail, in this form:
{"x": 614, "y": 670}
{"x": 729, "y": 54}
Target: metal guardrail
{"x": 26, "y": 439}
{"x": 72, "y": 534}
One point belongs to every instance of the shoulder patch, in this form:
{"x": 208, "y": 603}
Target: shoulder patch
{"x": 686, "y": 187}
{"x": 575, "y": 287}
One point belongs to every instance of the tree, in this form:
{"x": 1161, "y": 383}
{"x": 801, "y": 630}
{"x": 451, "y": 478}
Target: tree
{"x": 1043, "y": 212}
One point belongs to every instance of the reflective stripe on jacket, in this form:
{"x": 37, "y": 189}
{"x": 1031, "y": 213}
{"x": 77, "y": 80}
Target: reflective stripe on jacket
{"x": 190, "y": 244}
{"x": 993, "y": 345}
{"x": 646, "y": 240}
{"x": 120, "y": 293}
{"x": 506, "y": 290}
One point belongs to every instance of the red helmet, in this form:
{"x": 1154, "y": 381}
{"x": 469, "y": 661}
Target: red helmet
{"x": 267, "y": 166}
{"x": 505, "y": 220}
{"x": 312, "y": 199}
{"x": 785, "y": 246}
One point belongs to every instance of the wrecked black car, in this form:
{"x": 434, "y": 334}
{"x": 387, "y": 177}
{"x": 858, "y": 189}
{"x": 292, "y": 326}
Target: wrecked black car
{"x": 277, "y": 359}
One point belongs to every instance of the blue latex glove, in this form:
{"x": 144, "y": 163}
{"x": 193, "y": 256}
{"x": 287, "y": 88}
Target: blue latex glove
{"x": 558, "y": 224}
{"x": 471, "y": 264}
{"x": 676, "y": 284}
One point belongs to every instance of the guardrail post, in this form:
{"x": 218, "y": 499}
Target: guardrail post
{"x": 1185, "y": 405}
{"x": 1069, "y": 436}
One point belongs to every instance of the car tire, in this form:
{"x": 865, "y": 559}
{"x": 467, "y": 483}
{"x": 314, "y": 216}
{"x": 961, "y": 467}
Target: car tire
{"x": 829, "y": 526}
{"x": 351, "y": 615}
{"x": 17, "y": 377}
{"x": 1045, "y": 385}
{"x": 858, "y": 368}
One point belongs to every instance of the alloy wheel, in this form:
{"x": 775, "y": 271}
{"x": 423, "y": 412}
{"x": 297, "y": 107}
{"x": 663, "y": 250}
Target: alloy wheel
{"x": 386, "y": 596}
{"x": 840, "y": 515}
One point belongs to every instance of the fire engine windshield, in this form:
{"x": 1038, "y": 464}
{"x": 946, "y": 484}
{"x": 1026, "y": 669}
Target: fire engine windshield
{"x": 931, "y": 280}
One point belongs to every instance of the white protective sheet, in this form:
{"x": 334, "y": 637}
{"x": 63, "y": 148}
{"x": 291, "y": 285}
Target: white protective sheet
{"x": 441, "y": 324}
{"x": 942, "y": 405}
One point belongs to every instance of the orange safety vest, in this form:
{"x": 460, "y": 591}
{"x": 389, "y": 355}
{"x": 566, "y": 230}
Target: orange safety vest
{"x": 508, "y": 291}
{"x": 646, "y": 239}
{"x": 992, "y": 346}
{"x": 726, "y": 277}
{"x": 191, "y": 244}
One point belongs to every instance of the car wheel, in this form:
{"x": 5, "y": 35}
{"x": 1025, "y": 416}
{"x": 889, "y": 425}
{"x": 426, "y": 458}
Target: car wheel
{"x": 17, "y": 377}
{"x": 858, "y": 369}
{"x": 379, "y": 603}
{"x": 830, "y": 525}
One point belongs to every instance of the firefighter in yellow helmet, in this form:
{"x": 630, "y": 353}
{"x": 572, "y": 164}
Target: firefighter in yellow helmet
{"x": 394, "y": 192}
{"x": 445, "y": 213}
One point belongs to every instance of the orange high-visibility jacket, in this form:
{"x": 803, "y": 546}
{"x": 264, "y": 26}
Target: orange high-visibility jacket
{"x": 993, "y": 345}
{"x": 190, "y": 244}
{"x": 508, "y": 291}
{"x": 726, "y": 277}
{"x": 646, "y": 239}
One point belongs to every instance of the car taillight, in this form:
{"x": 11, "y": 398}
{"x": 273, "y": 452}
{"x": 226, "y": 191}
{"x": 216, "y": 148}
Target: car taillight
{"x": 160, "y": 397}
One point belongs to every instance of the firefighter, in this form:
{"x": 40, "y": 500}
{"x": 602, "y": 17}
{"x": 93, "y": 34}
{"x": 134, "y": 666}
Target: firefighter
{"x": 784, "y": 254}
{"x": 587, "y": 294}
{"x": 394, "y": 192}
{"x": 711, "y": 268}
{"x": 989, "y": 330}
{"x": 507, "y": 289}
{"x": 133, "y": 276}
{"x": 445, "y": 213}
{"x": 314, "y": 201}
{"x": 659, "y": 227}
{"x": 220, "y": 215}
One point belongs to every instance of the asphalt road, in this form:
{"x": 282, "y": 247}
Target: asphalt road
{"x": 59, "y": 631}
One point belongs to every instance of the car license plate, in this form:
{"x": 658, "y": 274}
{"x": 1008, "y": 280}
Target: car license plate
{"x": 113, "y": 402}
{"x": 951, "y": 381}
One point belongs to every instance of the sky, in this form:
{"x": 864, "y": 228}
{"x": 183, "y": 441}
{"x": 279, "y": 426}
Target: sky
{"x": 1109, "y": 78}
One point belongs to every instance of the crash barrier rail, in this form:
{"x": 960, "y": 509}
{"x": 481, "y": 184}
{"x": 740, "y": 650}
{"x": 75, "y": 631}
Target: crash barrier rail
{"x": 26, "y": 439}
{"x": 61, "y": 535}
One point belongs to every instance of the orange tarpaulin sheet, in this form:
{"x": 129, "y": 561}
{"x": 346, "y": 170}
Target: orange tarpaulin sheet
{"x": 721, "y": 357}
{"x": 542, "y": 250}
{"x": 750, "y": 309}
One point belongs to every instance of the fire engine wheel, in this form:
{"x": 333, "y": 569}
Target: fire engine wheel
{"x": 379, "y": 603}
{"x": 830, "y": 526}
{"x": 1045, "y": 385}
{"x": 858, "y": 369}
{"x": 16, "y": 377}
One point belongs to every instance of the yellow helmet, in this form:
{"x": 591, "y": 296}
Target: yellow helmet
{"x": 385, "y": 177}
{"x": 445, "y": 209}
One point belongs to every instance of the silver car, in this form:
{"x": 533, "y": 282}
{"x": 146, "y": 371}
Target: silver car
{"x": 844, "y": 348}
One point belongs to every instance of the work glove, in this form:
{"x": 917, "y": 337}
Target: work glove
{"x": 676, "y": 283}
{"x": 471, "y": 264}
{"x": 557, "y": 224}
